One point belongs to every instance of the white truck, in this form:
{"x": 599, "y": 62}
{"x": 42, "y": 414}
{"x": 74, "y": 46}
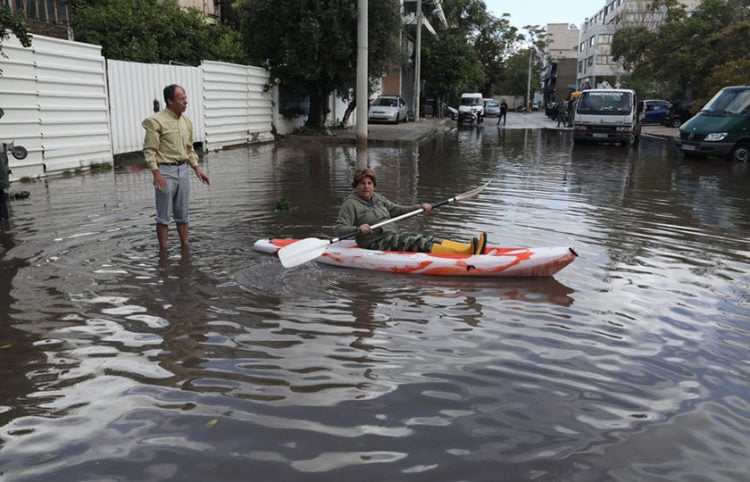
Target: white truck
{"x": 607, "y": 115}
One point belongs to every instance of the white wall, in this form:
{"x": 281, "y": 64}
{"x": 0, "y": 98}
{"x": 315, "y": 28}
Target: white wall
{"x": 133, "y": 88}
{"x": 55, "y": 99}
{"x": 237, "y": 104}
{"x": 70, "y": 108}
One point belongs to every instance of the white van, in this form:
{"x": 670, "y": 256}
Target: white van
{"x": 607, "y": 115}
{"x": 471, "y": 109}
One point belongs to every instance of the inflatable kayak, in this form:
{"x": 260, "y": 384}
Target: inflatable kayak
{"x": 495, "y": 261}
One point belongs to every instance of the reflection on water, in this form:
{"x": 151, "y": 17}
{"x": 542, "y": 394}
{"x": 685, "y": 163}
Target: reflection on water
{"x": 120, "y": 363}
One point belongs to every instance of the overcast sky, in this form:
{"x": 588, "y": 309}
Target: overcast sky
{"x": 542, "y": 12}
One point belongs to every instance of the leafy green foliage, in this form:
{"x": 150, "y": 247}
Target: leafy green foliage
{"x": 516, "y": 79}
{"x": 472, "y": 54}
{"x": 690, "y": 55}
{"x": 154, "y": 31}
{"x": 312, "y": 46}
{"x": 451, "y": 66}
{"x": 15, "y": 23}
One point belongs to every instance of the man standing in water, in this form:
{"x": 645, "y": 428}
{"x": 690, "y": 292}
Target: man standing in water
{"x": 168, "y": 149}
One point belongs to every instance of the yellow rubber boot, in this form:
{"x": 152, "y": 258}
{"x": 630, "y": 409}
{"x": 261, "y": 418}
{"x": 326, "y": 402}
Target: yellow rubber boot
{"x": 481, "y": 244}
{"x": 454, "y": 247}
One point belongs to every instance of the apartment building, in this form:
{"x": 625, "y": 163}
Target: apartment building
{"x": 596, "y": 67}
{"x": 44, "y": 17}
{"x": 561, "y": 54}
{"x": 210, "y": 8}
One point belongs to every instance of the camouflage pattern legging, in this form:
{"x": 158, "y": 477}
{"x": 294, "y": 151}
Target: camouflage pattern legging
{"x": 405, "y": 242}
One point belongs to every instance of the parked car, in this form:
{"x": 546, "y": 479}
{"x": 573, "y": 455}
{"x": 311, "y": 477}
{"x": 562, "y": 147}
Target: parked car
{"x": 427, "y": 107}
{"x": 721, "y": 128}
{"x": 678, "y": 113}
{"x": 654, "y": 111}
{"x": 552, "y": 109}
{"x": 491, "y": 108}
{"x": 388, "y": 108}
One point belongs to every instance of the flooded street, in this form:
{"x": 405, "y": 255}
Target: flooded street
{"x": 219, "y": 364}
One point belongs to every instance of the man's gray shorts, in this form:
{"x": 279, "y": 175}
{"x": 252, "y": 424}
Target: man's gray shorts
{"x": 175, "y": 198}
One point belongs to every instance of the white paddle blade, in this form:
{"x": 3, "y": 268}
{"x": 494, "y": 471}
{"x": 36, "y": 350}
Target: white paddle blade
{"x": 302, "y": 251}
{"x": 472, "y": 193}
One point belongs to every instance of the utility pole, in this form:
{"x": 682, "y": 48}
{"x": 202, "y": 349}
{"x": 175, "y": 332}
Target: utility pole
{"x": 362, "y": 84}
{"x": 528, "y": 86}
{"x": 418, "y": 62}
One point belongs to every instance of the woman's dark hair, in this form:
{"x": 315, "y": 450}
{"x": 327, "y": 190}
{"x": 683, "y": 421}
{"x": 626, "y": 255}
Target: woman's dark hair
{"x": 360, "y": 174}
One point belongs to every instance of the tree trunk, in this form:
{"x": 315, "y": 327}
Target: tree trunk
{"x": 349, "y": 109}
{"x": 318, "y": 110}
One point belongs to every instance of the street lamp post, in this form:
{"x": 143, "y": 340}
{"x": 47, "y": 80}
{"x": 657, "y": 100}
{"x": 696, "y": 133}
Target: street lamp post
{"x": 418, "y": 62}
{"x": 362, "y": 85}
{"x": 528, "y": 85}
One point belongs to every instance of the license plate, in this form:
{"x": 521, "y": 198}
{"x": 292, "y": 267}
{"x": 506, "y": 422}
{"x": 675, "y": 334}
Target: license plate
{"x": 600, "y": 136}
{"x": 688, "y": 147}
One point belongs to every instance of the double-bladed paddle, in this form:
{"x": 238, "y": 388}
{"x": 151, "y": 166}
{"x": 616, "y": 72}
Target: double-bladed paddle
{"x": 308, "y": 249}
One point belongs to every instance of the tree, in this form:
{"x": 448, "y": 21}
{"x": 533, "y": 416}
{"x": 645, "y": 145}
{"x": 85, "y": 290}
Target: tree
{"x": 13, "y": 22}
{"x": 494, "y": 39}
{"x": 690, "y": 54}
{"x": 450, "y": 66}
{"x": 469, "y": 54}
{"x": 516, "y": 79}
{"x": 153, "y": 31}
{"x": 311, "y": 47}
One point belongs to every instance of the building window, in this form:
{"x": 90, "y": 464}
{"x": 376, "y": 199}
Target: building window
{"x": 47, "y": 11}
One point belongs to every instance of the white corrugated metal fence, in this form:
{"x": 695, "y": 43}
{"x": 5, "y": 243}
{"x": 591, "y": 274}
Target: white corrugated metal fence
{"x": 55, "y": 99}
{"x": 236, "y": 107}
{"x": 133, "y": 89}
{"x": 70, "y": 108}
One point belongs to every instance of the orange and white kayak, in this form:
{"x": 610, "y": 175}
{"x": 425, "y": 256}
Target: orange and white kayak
{"x": 496, "y": 261}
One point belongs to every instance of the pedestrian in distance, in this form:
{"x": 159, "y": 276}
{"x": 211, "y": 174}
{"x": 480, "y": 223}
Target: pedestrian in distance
{"x": 503, "y": 112}
{"x": 364, "y": 208}
{"x": 168, "y": 149}
{"x": 562, "y": 115}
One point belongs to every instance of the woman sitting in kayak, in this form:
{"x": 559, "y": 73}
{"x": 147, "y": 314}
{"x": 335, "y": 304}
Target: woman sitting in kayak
{"x": 364, "y": 208}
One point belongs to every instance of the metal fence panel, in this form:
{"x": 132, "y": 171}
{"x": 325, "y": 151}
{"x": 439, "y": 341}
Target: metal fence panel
{"x": 135, "y": 88}
{"x": 18, "y": 98}
{"x": 56, "y": 91}
{"x": 70, "y": 107}
{"x": 236, "y": 105}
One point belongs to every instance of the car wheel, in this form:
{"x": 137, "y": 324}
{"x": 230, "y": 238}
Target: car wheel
{"x": 741, "y": 152}
{"x": 676, "y": 122}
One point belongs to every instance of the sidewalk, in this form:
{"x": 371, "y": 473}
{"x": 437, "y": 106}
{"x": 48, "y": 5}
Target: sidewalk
{"x": 411, "y": 132}
{"x": 536, "y": 120}
{"x": 388, "y": 134}
{"x": 660, "y": 131}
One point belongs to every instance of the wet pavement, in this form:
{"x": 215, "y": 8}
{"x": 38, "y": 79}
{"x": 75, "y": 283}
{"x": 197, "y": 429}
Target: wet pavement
{"x": 411, "y": 132}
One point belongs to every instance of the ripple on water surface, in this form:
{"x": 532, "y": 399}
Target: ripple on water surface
{"x": 629, "y": 365}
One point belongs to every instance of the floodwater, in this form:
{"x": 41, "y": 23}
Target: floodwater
{"x": 218, "y": 364}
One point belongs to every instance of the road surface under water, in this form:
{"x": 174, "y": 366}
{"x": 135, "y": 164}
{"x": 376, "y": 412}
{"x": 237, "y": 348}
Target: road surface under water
{"x": 219, "y": 364}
